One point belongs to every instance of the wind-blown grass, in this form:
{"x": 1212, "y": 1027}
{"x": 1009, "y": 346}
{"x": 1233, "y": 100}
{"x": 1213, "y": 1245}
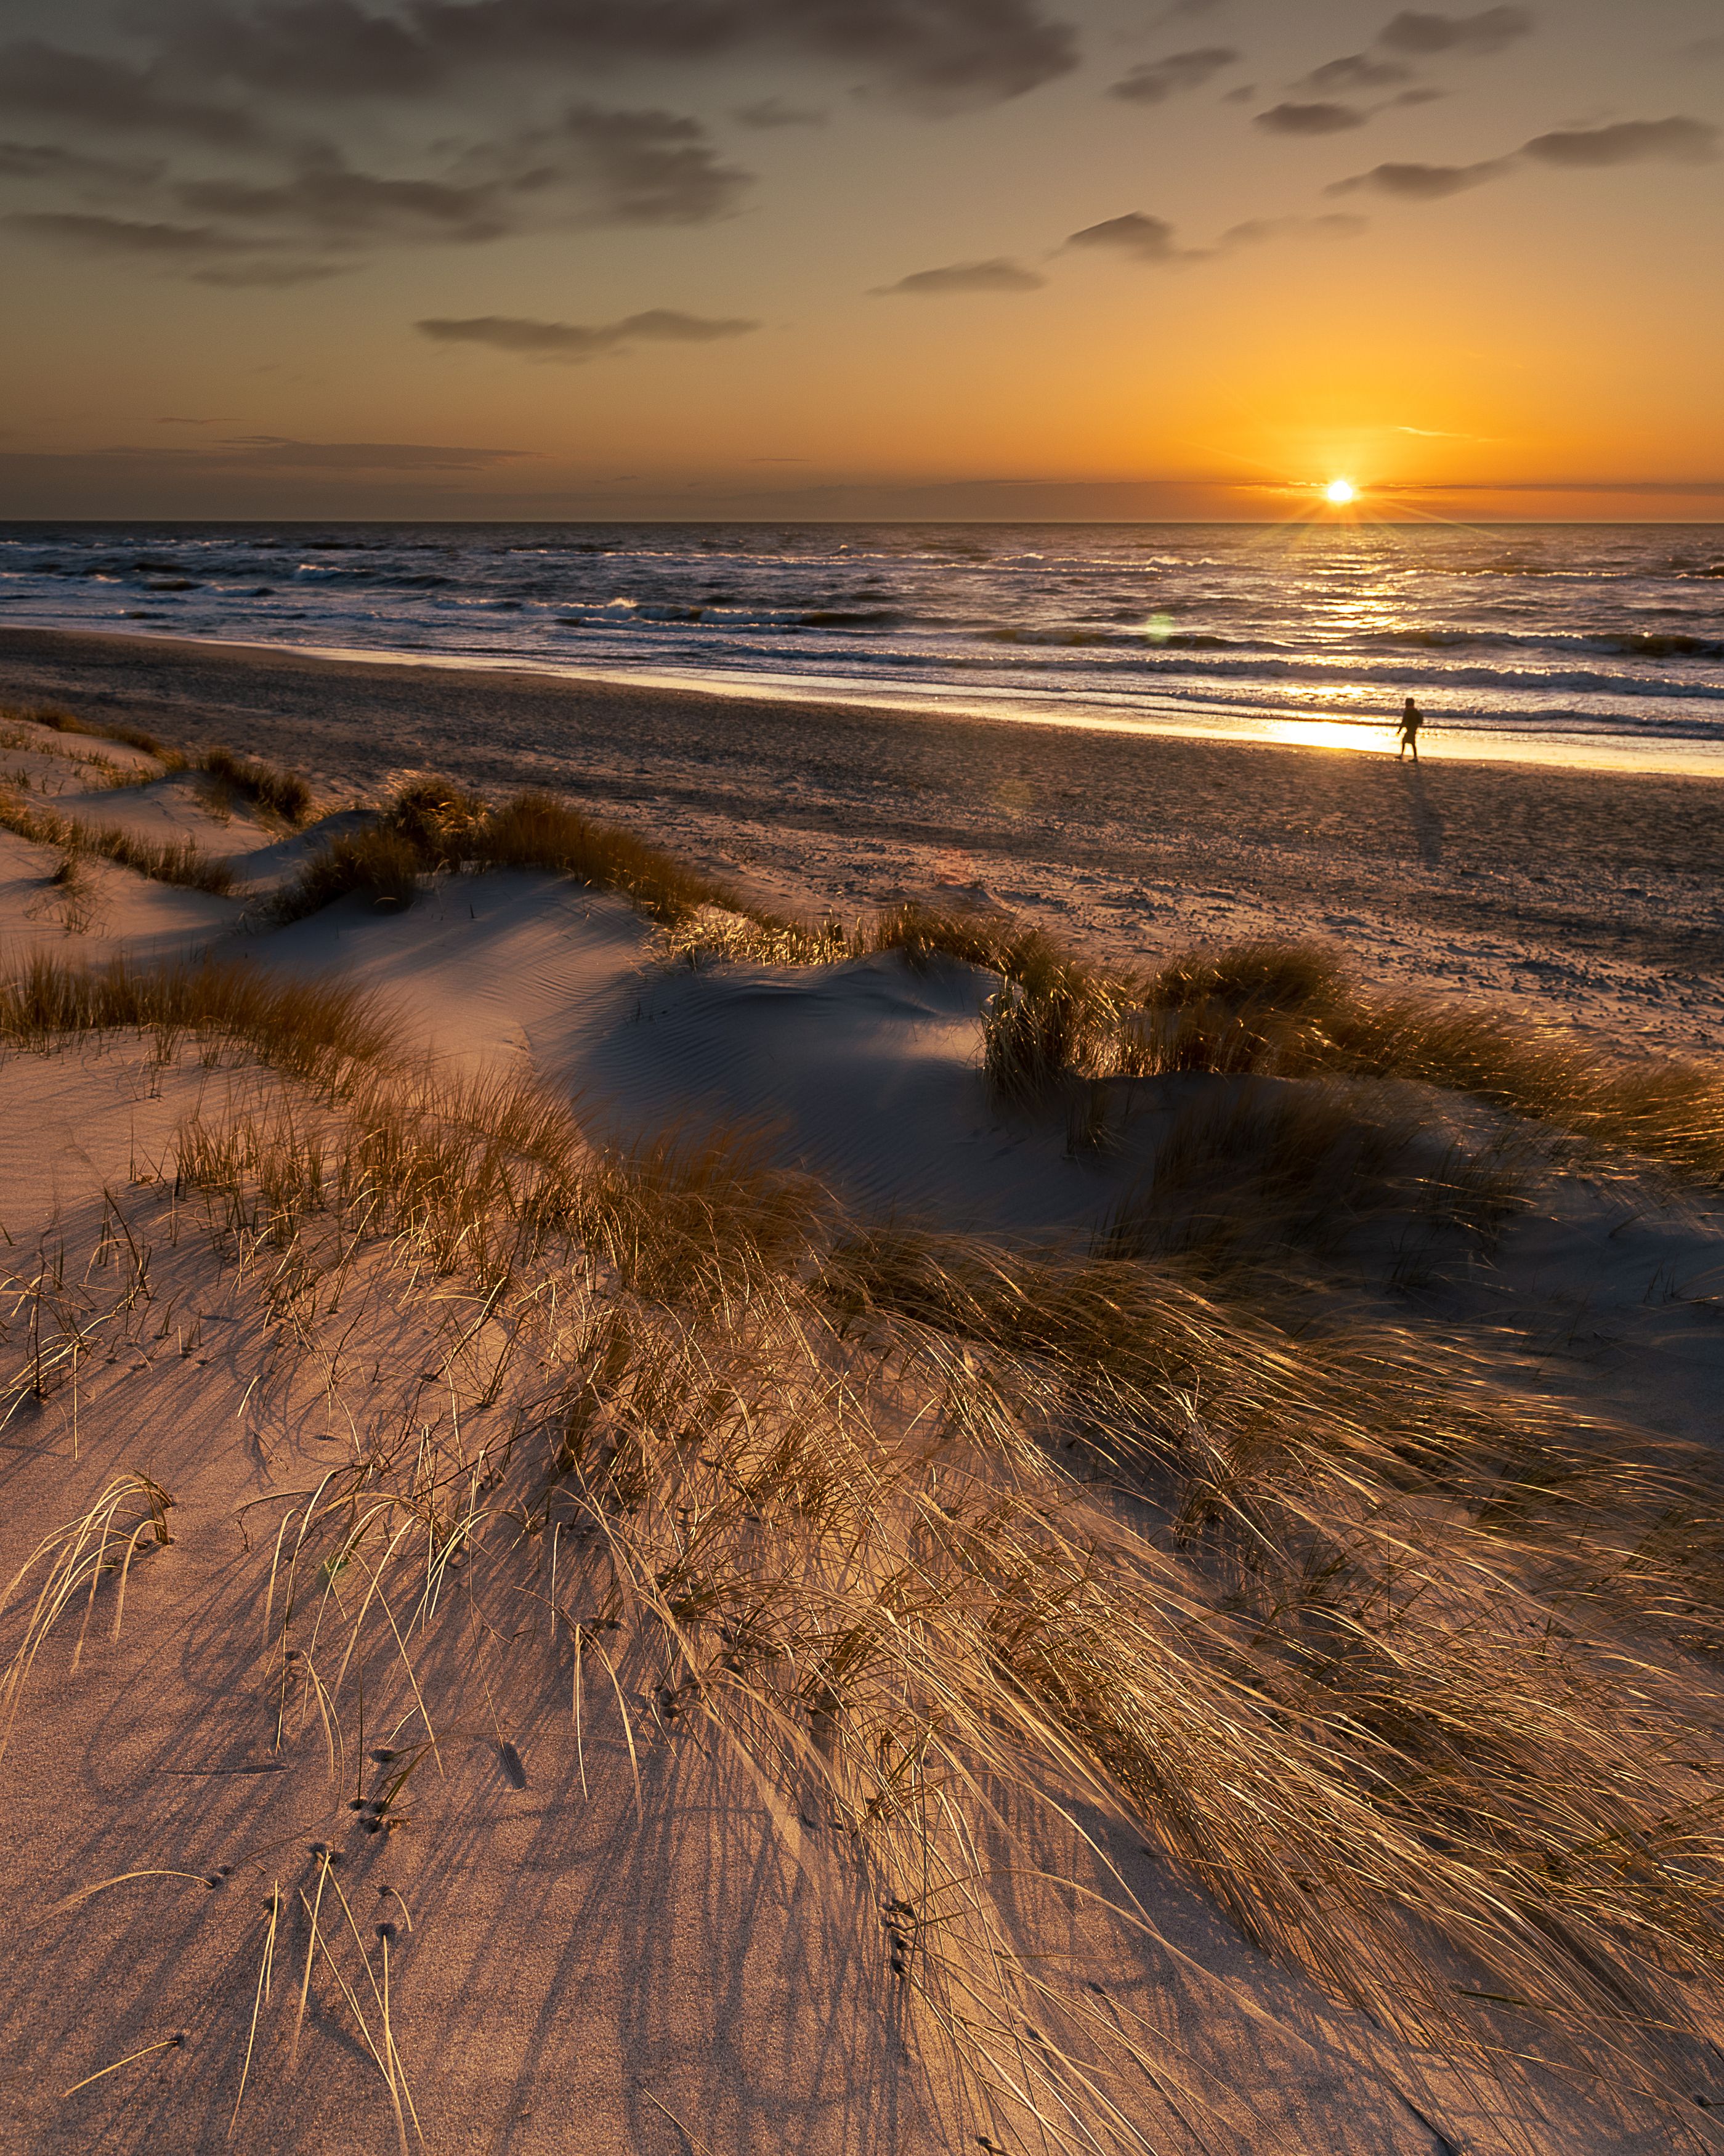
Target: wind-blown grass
{"x": 434, "y": 827}
{"x": 59, "y": 720}
{"x": 267, "y": 786}
{"x": 177, "y": 861}
{"x": 313, "y": 1029}
{"x": 1397, "y": 1658}
{"x": 852, "y": 1492}
{"x": 1295, "y": 1010}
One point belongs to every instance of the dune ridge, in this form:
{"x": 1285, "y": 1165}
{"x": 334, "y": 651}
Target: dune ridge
{"x": 643, "y": 1516}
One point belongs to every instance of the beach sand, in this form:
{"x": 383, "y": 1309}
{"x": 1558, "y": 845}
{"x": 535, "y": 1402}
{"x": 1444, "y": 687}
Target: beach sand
{"x": 1595, "y": 899}
{"x": 618, "y": 1933}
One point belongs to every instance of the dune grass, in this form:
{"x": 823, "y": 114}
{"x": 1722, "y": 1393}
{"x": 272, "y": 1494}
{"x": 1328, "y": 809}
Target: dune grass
{"x": 1398, "y": 1659}
{"x": 60, "y": 720}
{"x": 1394, "y": 1666}
{"x": 1296, "y": 1010}
{"x": 313, "y": 1029}
{"x": 435, "y": 827}
{"x": 279, "y": 793}
{"x": 180, "y": 862}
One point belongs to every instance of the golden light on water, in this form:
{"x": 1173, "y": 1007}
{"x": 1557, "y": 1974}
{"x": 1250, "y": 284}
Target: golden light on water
{"x": 1340, "y": 492}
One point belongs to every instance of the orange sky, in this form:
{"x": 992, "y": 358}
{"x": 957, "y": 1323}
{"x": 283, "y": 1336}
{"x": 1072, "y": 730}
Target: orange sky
{"x": 637, "y": 257}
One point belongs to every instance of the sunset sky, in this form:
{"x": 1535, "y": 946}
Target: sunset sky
{"x": 861, "y": 257}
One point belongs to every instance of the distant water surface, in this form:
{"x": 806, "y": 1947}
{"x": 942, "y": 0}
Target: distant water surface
{"x": 1595, "y": 642}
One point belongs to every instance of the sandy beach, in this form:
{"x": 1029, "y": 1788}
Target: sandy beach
{"x": 884, "y": 1630}
{"x": 1593, "y": 898}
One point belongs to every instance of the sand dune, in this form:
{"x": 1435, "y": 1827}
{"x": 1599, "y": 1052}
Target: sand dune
{"x": 673, "y": 1922}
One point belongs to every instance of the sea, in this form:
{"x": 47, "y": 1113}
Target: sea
{"x": 1572, "y": 643}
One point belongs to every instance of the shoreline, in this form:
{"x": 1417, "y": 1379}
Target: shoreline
{"x": 1589, "y": 898}
{"x": 1376, "y": 737}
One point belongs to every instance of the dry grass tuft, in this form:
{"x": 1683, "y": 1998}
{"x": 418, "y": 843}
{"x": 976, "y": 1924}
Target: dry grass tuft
{"x": 436, "y": 827}
{"x": 71, "y": 1566}
{"x": 1294, "y": 1010}
{"x": 177, "y": 861}
{"x": 1264, "y": 1167}
{"x": 62, "y": 721}
{"x": 280, "y": 793}
{"x": 312, "y": 1030}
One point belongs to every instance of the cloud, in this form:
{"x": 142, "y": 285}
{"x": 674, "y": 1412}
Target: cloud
{"x": 1145, "y": 239}
{"x": 1423, "y": 183}
{"x": 1675, "y": 140}
{"x": 771, "y": 112}
{"x": 205, "y": 253}
{"x": 1256, "y": 230}
{"x": 1475, "y": 35}
{"x": 1310, "y": 118}
{"x": 590, "y": 166}
{"x": 998, "y": 275}
{"x": 51, "y": 161}
{"x": 570, "y": 343}
{"x": 46, "y": 82}
{"x": 1418, "y": 35}
{"x": 940, "y": 53}
{"x": 1357, "y": 71}
{"x": 1154, "y": 81}
{"x": 1153, "y": 240}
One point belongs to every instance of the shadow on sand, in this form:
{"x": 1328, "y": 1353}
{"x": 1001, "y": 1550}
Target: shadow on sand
{"x": 1427, "y": 823}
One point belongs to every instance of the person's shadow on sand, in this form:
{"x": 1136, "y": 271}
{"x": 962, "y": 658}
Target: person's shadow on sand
{"x": 1427, "y": 823}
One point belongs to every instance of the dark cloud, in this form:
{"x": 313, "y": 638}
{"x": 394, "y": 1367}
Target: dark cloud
{"x": 1675, "y": 140}
{"x": 1154, "y": 81}
{"x": 770, "y": 112}
{"x": 1145, "y": 239}
{"x": 1356, "y": 71}
{"x": 1489, "y": 31}
{"x": 591, "y": 167}
{"x": 1415, "y": 34}
{"x": 1257, "y": 231}
{"x": 51, "y": 160}
{"x": 587, "y": 167}
{"x": 121, "y": 235}
{"x": 998, "y": 275}
{"x": 331, "y": 203}
{"x": 49, "y": 83}
{"x": 1310, "y": 118}
{"x": 569, "y": 343}
{"x": 1423, "y": 183}
{"x": 941, "y": 53}
{"x": 205, "y": 253}
{"x": 1153, "y": 240}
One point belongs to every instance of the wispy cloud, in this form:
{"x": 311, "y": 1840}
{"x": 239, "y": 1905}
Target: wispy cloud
{"x": 1152, "y": 82}
{"x": 1001, "y": 275}
{"x": 1678, "y": 139}
{"x": 1153, "y": 241}
{"x": 571, "y": 343}
{"x": 1325, "y": 119}
{"x": 1491, "y": 30}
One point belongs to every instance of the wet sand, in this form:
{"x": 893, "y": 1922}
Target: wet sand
{"x": 1596, "y": 897}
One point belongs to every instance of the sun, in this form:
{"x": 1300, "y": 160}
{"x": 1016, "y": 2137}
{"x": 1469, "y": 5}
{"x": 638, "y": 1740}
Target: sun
{"x": 1340, "y": 492}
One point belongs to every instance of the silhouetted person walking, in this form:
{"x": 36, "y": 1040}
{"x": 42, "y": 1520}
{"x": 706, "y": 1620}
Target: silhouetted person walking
{"x": 1408, "y": 735}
